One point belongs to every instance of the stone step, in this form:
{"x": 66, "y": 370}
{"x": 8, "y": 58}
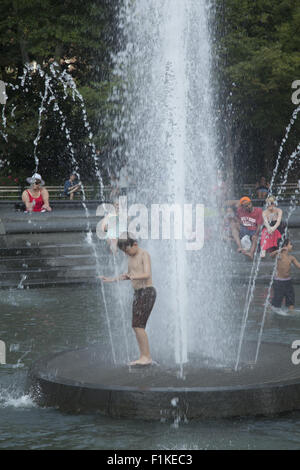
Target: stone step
{"x": 46, "y": 251}
{"x": 19, "y": 263}
{"x": 50, "y": 273}
{"x": 34, "y": 284}
{"x": 18, "y": 240}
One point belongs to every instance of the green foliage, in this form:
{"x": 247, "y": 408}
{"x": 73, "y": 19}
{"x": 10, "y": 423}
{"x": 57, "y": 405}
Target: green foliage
{"x": 257, "y": 58}
{"x": 79, "y": 36}
{"x": 256, "y": 53}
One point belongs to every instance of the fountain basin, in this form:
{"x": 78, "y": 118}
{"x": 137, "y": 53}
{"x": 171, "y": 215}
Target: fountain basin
{"x": 81, "y": 381}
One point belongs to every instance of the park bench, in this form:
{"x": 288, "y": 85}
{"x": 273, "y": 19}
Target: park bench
{"x": 57, "y": 192}
{"x": 14, "y": 193}
{"x": 10, "y": 192}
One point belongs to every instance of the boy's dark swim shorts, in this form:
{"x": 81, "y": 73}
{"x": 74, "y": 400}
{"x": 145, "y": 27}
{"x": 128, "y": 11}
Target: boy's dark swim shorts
{"x": 143, "y": 302}
{"x": 283, "y": 289}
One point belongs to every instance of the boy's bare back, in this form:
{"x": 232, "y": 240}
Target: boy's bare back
{"x": 285, "y": 260}
{"x": 284, "y": 265}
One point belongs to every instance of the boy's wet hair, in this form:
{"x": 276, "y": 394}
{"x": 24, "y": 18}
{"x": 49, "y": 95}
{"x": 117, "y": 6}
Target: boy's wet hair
{"x": 125, "y": 241}
{"x": 282, "y": 244}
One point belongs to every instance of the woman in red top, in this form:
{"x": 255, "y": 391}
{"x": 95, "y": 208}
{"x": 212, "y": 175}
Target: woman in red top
{"x": 36, "y": 199}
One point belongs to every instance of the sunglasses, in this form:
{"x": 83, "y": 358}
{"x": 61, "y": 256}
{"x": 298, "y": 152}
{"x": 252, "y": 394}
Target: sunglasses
{"x": 37, "y": 182}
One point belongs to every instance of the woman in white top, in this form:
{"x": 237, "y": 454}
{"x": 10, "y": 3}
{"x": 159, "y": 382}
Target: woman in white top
{"x": 273, "y": 227}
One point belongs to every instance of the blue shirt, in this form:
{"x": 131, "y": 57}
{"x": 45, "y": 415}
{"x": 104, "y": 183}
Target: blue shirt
{"x": 68, "y": 185}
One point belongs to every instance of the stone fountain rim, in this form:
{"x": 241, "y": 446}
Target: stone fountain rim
{"x": 40, "y": 375}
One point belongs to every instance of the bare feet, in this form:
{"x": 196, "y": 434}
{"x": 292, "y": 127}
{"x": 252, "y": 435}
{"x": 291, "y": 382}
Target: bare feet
{"x": 142, "y": 361}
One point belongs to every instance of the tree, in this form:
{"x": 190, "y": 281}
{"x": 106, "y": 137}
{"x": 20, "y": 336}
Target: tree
{"x": 79, "y": 36}
{"x": 256, "y": 50}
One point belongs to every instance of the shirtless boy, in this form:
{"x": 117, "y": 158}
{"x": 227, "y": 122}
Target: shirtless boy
{"x": 283, "y": 286}
{"x": 139, "y": 273}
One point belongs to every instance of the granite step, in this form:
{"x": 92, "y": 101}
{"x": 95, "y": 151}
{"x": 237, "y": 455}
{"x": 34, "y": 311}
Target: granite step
{"x": 15, "y": 264}
{"x": 69, "y": 272}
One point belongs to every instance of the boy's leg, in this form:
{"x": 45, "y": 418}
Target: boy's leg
{"x": 278, "y": 293}
{"x": 142, "y": 339}
{"x": 142, "y": 306}
{"x": 290, "y": 295}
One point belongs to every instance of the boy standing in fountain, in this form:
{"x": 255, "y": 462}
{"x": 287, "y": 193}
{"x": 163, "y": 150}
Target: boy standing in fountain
{"x": 283, "y": 287}
{"x": 139, "y": 273}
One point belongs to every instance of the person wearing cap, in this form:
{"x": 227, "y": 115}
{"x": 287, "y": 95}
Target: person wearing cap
{"x": 249, "y": 223}
{"x": 36, "y": 198}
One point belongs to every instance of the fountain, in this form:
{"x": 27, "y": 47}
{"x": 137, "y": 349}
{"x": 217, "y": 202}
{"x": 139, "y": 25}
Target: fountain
{"x": 165, "y": 129}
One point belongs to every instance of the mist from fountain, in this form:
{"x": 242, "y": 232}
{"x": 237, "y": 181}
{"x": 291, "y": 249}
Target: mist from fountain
{"x": 257, "y": 258}
{"x": 52, "y": 80}
{"x": 164, "y": 123}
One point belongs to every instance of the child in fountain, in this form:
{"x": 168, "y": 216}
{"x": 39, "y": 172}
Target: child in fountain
{"x": 283, "y": 287}
{"x": 139, "y": 273}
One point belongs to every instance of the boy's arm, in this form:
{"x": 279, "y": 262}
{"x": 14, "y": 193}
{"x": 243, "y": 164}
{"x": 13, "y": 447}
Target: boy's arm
{"x": 277, "y": 252}
{"x": 147, "y": 269}
{"x": 122, "y": 277}
{"x": 295, "y": 262}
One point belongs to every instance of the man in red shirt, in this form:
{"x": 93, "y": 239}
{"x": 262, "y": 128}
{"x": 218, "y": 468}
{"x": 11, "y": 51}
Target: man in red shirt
{"x": 249, "y": 223}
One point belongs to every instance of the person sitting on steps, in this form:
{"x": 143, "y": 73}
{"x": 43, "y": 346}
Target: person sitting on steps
{"x": 70, "y": 187}
{"x": 36, "y": 198}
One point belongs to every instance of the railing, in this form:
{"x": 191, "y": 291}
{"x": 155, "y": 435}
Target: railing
{"x": 14, "y": 193}
{"x": 10, "y": 192}
{"x": 285, "y": 190}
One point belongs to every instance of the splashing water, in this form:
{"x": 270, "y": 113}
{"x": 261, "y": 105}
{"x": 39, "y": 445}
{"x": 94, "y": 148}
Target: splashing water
{"x": 52, "y": 78}
{"x": 21, "y": 285}
{"x": 165, "y": 128}
{"x": 15, "y": 398}
{"x": 257, "y": 258}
